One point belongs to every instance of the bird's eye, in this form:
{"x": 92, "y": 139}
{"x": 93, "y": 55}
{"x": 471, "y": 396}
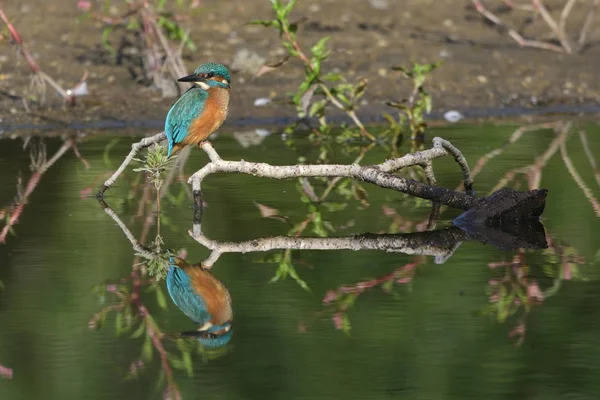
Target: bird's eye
{"x": 210, "y": 75}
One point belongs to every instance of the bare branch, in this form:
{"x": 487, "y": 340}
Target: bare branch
{"x": 135, "y": 148}
{"x": 376, "y": 174}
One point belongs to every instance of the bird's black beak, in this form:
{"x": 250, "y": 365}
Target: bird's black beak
{"x": 190, "y": 78}
{"x": 192, "y": 333}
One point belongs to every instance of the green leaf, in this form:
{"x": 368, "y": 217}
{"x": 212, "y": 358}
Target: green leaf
{"x": 317, "y": 107}
{"x": 267, "y": 23}
{"x": 187, "y": 362}
{"x": 147, "y": 350}
{"x": 119, "y": 323}
{"x": 332, "y": 77}
{"x": 318, "y": 49}
{"x": 160, "y": 298}
{"x": 105, "y": 41}
{"x": 288, "y": 9}
{"x": 138, "y": 332}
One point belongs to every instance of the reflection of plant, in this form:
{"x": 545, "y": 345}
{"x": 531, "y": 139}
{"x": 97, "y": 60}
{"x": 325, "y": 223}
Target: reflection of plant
{"x": 5, "y": 372}
{"x": 132, "y": 318}
{"x": 516, "y": 292}
{"x": 155, "y": 165}
{"x": 339, "y": 301}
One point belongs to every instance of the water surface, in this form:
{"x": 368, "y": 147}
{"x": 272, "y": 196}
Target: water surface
{"x": 429, "y": 339}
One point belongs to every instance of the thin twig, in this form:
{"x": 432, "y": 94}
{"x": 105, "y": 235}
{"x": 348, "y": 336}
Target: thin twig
{"x": 135, "y": 148}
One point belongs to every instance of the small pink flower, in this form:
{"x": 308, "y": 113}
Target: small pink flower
{"x": 85, "y": 193}
{"x": 6, "y": 372}
{"x": 534, "y": 292}
{"x": 493, "y": 282}
{"x": 338, "y": 321}
{"x": 518, "y": 330}
{"x": 567, "y": 272}
{"x": 329, "y": 297}
{"x": 112, "y": 288}
{"x": 494, "y": 298}
{"x": 84, "y": 5}
{"x": 388, "y": 211}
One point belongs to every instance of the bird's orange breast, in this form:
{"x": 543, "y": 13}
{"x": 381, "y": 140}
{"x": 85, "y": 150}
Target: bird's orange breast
{"x": 211, "y": 118}
{"x": 214, "y": 293}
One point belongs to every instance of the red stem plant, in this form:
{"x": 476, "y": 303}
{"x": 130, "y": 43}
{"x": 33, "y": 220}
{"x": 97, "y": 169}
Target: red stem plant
{"x": 40, "y": 77}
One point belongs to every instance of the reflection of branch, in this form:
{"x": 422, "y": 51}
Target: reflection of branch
{"x": 16, "y": 212}
{"x": 440, "y": 244}
{"x": 379, "y": 174}
{"x": 578, "y": 180}
{"x": 134, "y": 242}
{"x": 534, "y": 171}
{"x": 511, "y": 140}
{"x": 590, "y": 156}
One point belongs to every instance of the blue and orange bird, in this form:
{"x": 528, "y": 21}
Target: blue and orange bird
{"x": 204, "y": 299}
{"x": 201, "y": 110}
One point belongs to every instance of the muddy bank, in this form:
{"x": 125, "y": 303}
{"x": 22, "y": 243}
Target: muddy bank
{"x": 483, "y": 68}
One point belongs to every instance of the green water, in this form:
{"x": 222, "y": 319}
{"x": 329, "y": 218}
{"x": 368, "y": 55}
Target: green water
{"x": 427, "y": 340}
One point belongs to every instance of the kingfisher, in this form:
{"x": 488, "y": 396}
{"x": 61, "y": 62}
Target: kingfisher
{"x": 201, "y": 110}
{"x": 204, "y": 299}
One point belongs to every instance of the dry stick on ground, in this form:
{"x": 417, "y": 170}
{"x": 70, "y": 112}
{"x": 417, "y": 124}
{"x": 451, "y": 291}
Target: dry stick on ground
{"x": 558, "y": 28}
{"x": 578, "y": 180}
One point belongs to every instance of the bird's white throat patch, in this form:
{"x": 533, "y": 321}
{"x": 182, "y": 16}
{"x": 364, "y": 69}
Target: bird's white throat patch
{"x": 207, "y": 325}
{"x": 203, "y": 85}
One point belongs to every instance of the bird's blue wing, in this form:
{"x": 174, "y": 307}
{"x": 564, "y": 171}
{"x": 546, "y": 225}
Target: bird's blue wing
{"x": 185, "y": 298}
{"x": 181, "y": 115}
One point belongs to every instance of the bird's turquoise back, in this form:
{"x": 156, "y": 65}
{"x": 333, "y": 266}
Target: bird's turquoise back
{"x": 185, "y": 298}
{"x": 180, "y": 116}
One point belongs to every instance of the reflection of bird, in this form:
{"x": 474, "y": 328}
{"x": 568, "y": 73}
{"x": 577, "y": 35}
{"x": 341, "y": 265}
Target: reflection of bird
{"x": 203, "y": 299}
{"x": 201, "y": 110}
